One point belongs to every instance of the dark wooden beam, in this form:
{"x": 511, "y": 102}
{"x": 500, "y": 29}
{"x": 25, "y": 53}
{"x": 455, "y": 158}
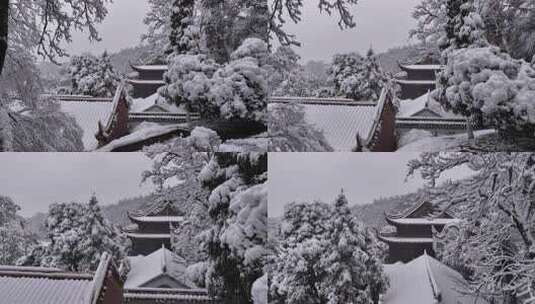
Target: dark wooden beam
{"x": 4, "y": 21}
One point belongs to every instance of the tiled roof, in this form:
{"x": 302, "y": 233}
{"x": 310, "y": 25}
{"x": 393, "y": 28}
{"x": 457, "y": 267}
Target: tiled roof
{"x": 36, "y": 285}
{"x": 87, "y": 115}
{"x": 45, "y": 290}
{"x": 341, "y": 119}
{"x": 341, "y": 123}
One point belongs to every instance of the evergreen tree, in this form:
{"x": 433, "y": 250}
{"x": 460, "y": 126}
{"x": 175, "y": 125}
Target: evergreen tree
{"x": 464, "y": 26}
{"x": 326, "y": 256}
{"x": 15, "y": 240}
{"x": 236, "y": 242}
{"x": 183, "y": 38}
{"x": 464, "y": 29}
{"x": 356, "y": 77}
{"x": 77, "y": 234}
{"x": 92, "y": 76}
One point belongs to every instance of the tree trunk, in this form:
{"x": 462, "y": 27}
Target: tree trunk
{"x": 470, "y": 128}
{"x": 4, "y": 21}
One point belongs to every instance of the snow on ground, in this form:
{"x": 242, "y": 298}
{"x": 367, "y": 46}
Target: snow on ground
{"x": 87, "y": 115}
{"x": 143, "y": 131}
{"x": 412, "y": 136}
{"x": 442, "y": 143}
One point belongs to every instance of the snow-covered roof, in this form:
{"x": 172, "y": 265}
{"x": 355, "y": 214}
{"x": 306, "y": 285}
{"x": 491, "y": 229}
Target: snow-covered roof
{"x": 411, "y": 240}
{"x": 154, "y": 208}
{"x": 341, "y": 123}
{"x": 87, "y": 115}
{"x": 424, "y": 221}
{"x": 422, "y": 66}
{"x": 147, "y": 104}
{"x": 149, "y": 235}
{"x": 442, "y": 143}
{"x": 39, "y": 290}
{"x": 144, "y": 81}
{"x": 425, "y": 280}
{"x": 413, "y": 107}
{"x": 142, "y": 132}
{"x": 158, "y": 219}
{"x": 37, "y": 285}
{"x": 416, "y": 82}
{"x": 159, "y": 67}
{"x": 162, "y": 262}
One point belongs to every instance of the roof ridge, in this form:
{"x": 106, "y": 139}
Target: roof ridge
{"x": 434, "y": 286}
{"x": 49, "y": 275}
{"x": 99, "y": 277}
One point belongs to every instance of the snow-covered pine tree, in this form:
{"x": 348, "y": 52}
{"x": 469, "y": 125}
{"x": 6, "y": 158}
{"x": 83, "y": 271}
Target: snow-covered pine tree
{"x": 464, "y": 29}
{"x": 356, "y": 77}
{"x": 236, "y": 241}
{"x": 184, "y": 37}
{"x": 375, "y": 79}
{"x": 326, "y": 256}
{"x": 226, "y": 24}
{"x": 92, "y": 76}
{"x": 15, "y": 240}
{"x": 77, "y": 235}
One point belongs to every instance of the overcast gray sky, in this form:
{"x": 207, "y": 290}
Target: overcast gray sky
{"x": 36, "y": 180}
{"x": 380, "y": 23}
{"x": 305, "y": 177}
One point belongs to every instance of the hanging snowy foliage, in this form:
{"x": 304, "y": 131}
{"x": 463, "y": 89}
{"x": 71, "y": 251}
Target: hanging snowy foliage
{"x": 30, "y": 122}
{"x": 356, "y": 77}
{"x": 77, "y": 235}
{"x": 92, "y": 76}
{"x": 494, "y": 244}
{"x": 326, "y": 256}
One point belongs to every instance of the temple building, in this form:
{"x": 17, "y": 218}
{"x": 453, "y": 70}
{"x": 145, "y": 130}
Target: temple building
{"x": 413, "y": 233}
{"x": 417, "y": 79}
{"x": 146, "y": 79}
{"x": 418, "y": 110}
{"x": 151, "y": 227}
